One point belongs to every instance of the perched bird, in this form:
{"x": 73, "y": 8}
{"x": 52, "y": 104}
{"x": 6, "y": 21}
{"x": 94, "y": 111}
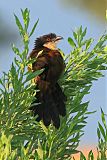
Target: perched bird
{"x": 50, "y": 100}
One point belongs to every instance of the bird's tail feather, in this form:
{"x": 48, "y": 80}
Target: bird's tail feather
{"x": 51, "y": 106}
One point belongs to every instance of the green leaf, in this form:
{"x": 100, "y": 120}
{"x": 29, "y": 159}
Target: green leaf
{"x": 88, "y": 43}
{"x": 44, "y": 128}
{"x": 78, "y": 127}
{"x": 21, "y": 30}
{"x": 91, "y": 155}
{"x": 84, "y": 33}
{"x": 26, "y": 18}
{"x": 33, "y": 75}
{"x": 39, "y": 150}
{"x": 74, "y": 151}
{"x": 82, "y": 157}
{"x": 33, "y": 29}
{"x": 103, "y": 118}
{"x": 71, "y": 42}
{"x": 75, "y": 35}
{"x": 102, "y": 130}
{"x": 16, "y": 51}
{"x": 91, "y": 112}
{"x": 17, "y": 62}
{"x": 80, "y": 30}
{"x": 13, "y": 70}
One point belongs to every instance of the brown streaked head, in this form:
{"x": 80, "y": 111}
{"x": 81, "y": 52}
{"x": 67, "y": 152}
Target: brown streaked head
{"x": 49, "y": 41}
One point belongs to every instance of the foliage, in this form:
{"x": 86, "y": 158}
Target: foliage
{"x": 17, "y": 125}
{"x": 102, "y": 138}
{"x": 102, "y": 141}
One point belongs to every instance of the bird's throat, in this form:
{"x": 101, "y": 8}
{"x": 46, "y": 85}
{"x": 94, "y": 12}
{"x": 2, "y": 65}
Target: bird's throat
{"x": 50, "y": 45}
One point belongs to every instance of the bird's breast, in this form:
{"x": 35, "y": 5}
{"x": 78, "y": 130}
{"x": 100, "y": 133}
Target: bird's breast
{"x": 56, "y": 66}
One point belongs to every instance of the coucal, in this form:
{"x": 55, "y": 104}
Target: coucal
{"x": 50, "y": 100}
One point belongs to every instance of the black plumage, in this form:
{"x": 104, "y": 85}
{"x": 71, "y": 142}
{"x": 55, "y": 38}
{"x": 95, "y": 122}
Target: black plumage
{"x": 50, "y": 99}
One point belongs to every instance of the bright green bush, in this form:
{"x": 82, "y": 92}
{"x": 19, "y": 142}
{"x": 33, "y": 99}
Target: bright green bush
{"x": 84, "y": 65}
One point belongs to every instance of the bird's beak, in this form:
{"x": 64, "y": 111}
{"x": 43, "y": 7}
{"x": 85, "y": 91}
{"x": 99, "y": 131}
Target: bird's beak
{"x": 58, "y": 38}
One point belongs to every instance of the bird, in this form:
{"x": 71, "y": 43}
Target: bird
{"x": 50, "y": 101}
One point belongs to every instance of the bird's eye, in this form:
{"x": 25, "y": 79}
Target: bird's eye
{"x": 48, "y": 39}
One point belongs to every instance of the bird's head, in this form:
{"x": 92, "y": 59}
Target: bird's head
{"x": 48, "y": 41}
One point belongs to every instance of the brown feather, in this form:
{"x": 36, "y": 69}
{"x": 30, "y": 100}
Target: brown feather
{"x": 51, "y": 99}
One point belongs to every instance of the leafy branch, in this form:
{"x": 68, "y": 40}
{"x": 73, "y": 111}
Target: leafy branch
{"x": 84, "y": 65}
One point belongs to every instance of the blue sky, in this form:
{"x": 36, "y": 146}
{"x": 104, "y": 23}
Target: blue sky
{"x": 54, "y": 17}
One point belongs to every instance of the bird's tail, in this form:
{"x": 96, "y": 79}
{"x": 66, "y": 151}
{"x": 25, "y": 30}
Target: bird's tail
{"x": 50, "y": 105}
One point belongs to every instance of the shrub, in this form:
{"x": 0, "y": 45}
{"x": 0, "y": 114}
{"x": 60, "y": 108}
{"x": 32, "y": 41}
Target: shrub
{"x": 21, "y": 136}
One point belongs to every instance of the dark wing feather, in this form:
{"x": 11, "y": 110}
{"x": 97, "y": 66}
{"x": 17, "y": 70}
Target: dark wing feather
{"x": 51, "y": 97}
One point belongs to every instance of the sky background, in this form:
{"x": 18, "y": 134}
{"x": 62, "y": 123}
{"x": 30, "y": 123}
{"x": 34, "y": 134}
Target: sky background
{"x": 61, "y": 18}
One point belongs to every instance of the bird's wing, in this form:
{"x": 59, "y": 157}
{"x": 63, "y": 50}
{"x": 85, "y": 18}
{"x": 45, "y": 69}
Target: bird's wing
{"x": 40, "y": 63}
{"x": 33, "y": 54}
